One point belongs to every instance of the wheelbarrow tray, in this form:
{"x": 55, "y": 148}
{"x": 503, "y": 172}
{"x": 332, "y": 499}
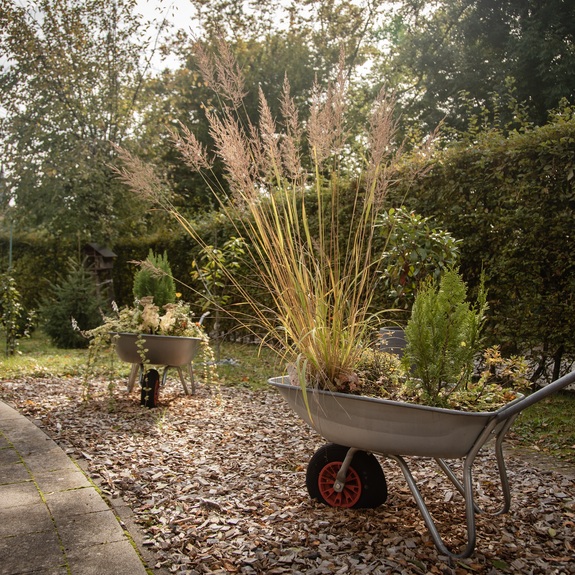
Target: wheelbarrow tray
{"x": 384, "y": 426}
{"x": 167, "y": 350}
{"x": 160, "y": 349}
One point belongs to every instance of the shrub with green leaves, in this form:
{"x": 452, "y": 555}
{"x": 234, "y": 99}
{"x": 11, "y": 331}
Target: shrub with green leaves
{"x": 415, "y": 249}
{"x": 71, "y": 306}
{"x": 15, "y": 322}
{"x": 154, "y": 278}
{"x": 443, "y": 336}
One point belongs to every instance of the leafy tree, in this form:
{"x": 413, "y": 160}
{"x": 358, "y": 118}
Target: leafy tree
{"x": 69, "y": 87}
{"x": 14, "y": 320}
{"x": 270, "y": 40}
{"x": 462, "y": 56}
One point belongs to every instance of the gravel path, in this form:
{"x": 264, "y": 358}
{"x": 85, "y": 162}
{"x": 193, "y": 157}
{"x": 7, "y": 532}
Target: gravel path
{"x": 217, "y": 484}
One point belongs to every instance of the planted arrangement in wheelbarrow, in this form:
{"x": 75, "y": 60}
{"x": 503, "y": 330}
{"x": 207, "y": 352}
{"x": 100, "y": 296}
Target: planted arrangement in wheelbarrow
{"x": 306, "y": 198}
{"x": 146, "y": 335}
{"x": 434, "y": 408}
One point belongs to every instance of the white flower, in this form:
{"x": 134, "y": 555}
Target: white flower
{"x": 150, "y": 317}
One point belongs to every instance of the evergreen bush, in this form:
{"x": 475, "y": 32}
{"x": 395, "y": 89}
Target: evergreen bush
{"x": 443, "y": 336}
{"x": 154, "y": 278}
{"x": 71, "y": 306}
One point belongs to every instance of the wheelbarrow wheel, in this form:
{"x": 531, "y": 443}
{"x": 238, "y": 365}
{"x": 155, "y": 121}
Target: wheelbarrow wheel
{"x": 365, "y": 485}
{"x": 150, "y": 394}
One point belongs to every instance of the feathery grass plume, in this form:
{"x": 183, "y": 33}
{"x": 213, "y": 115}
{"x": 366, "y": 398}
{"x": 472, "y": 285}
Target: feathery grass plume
{"x": 326, "y": 127}
{"x": 269, "y": 156}
{"x": 320, "y": 279}
{"x": 289, "y": 141}
{"x": 191, "y": 150}
{"x": 381, "y": 135}
{"x": 142, "y": 177}
{"x": 234, "y": 148}
{"x": 221, "y": 72}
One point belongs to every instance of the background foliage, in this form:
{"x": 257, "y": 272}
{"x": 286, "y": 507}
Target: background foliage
{"x": 500, "y": 75}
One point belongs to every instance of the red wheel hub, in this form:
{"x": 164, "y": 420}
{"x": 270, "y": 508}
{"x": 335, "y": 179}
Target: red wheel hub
{"x": 351, "y": 492}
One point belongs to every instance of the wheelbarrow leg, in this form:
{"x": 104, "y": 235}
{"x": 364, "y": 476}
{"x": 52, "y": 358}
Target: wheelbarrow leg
{"x": 428, "y": 519}
{"x": 454, "y": 479}
{"x": 133, "y": 377}
{"x": 182, "y": 379}
{"x": 165, "y": 375}
{"x": 502, "y": 469}
{"x": 465, "y": 488}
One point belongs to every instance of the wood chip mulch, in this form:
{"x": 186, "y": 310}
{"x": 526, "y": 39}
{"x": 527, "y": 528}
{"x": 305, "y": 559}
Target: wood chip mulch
{"x": 217, "y": 484}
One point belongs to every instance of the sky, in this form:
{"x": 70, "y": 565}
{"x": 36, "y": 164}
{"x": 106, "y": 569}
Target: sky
{"x": 180, "y": 13}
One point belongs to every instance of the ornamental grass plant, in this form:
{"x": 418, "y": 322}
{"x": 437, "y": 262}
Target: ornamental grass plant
{"x": 284, "y": 193}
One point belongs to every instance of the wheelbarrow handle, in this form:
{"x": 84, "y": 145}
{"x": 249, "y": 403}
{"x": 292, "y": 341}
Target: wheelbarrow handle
{"x": 515, "y": 407}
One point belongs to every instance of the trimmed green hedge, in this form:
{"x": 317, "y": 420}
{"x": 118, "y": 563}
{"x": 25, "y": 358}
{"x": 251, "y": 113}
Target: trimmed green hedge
{"x": 512, "y": 202}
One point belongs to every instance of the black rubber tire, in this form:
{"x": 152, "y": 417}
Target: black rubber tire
{"x": 150, "y": 393}
{"x": 365, "y": 475}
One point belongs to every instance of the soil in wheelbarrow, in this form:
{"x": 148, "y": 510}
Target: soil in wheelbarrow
{"x": 216, "y": 482}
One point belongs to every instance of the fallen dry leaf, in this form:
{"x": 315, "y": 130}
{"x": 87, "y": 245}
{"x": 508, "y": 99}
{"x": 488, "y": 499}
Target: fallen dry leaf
{"x": 217, "y": 482}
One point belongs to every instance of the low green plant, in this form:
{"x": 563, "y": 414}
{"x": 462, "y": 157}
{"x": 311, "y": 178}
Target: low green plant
{"x": 495, "y": 382}
{"x": 444, "y": 336}
{"x": 500, "y": 381}
{"x": 378, "y": 374}
{"x": 154, "y": 278}
{"x": 15, "y": 322}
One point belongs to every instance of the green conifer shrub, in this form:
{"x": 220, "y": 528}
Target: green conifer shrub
{"x": 71, "y": 306}
{"x": 154, "y": 278}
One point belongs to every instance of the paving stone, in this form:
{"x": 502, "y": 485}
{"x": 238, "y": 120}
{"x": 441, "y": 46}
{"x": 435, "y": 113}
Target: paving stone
{"x": 49, "y": 460}
{"x": 81, "y": 531}
{"x": 14, "y": 473}
{"x": 119, "y": 557}
{"x": 61, "y": 480}
{"x": 31, "y": 552}
{"x": 18, "y": 494}
{"x": 33, "y": 518}
{"x": 8, "y": 455}
{"x": 75, "y": 502}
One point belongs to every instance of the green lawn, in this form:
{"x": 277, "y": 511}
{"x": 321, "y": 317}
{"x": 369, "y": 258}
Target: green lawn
{"x": 547, "y": 426}
{"x": 239, "y": 364}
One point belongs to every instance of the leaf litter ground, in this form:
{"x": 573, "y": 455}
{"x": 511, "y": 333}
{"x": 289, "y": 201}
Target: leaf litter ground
{"x": 216, "y": 482}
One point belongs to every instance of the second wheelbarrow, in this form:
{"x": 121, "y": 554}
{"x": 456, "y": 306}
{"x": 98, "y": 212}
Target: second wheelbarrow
{"x": 169, "y": 351}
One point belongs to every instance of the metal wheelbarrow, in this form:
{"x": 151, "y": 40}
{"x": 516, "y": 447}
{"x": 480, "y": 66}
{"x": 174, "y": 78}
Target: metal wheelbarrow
{"x": 345, "y": 473}
{"x": 169, "y": 351}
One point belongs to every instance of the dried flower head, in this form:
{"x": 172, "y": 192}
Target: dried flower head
{"x": 221, "y": 71}
{"x": 191, "y": 150}
{"x": 142, "y": 178}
